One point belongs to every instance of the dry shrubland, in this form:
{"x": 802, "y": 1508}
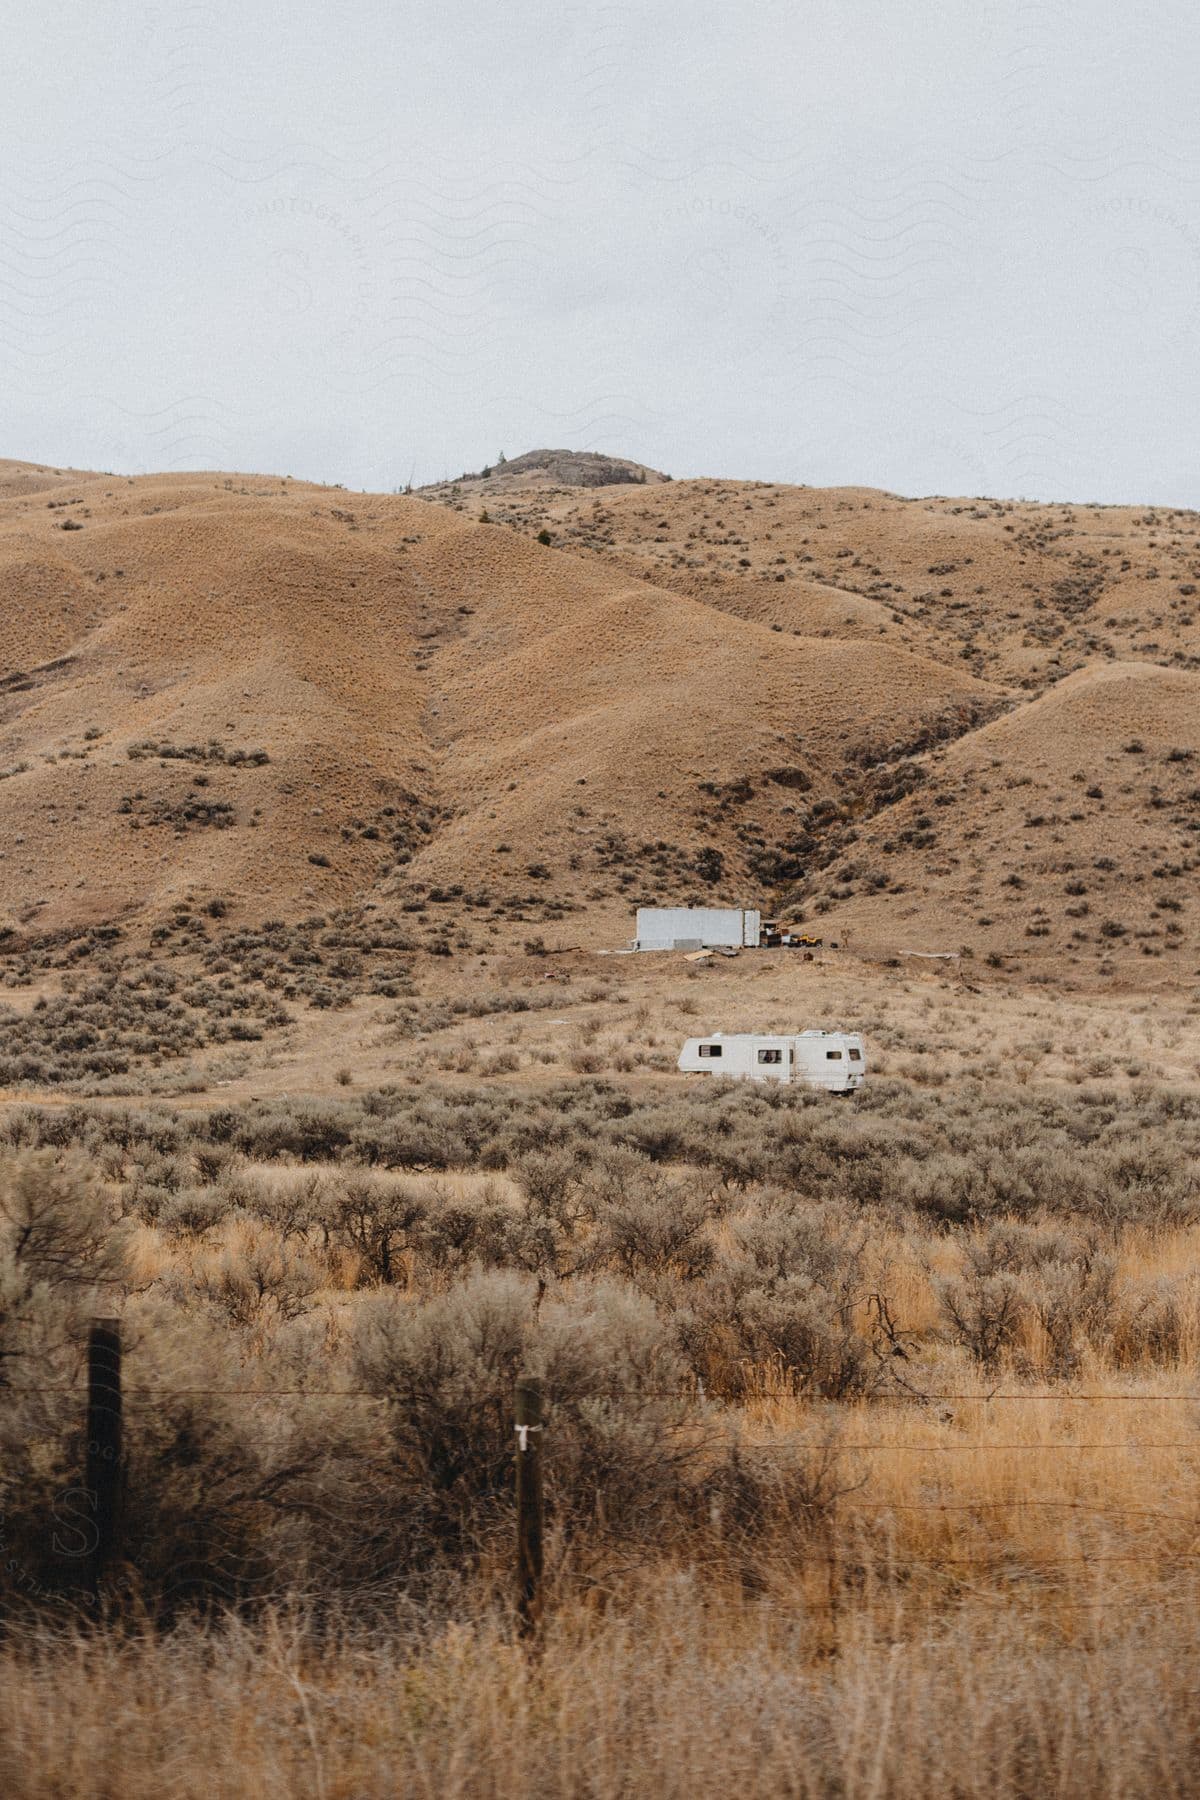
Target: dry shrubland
{"x": 870, "y": 1451}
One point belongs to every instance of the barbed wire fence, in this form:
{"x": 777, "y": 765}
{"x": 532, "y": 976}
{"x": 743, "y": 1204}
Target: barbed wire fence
{"x": 106, "y": 1399}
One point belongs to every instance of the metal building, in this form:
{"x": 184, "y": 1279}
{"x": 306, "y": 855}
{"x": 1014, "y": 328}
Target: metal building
{"x": 696, "y": 928}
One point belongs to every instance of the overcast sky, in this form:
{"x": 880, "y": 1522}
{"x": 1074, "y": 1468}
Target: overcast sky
{"x": 932, "y": 245}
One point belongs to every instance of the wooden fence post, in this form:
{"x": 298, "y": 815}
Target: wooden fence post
{"x": 530, "y": 1515}
{"x": 102, "y": 1479}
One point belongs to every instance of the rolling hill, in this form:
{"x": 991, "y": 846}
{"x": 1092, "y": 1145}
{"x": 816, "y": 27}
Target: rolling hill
{"x": 888, "y": 715}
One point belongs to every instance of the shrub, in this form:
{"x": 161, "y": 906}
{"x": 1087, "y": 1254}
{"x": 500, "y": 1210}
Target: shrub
{"x": 1150, "y": 1325}
{"x": 549, "y": 1179}
{"x": 982, "y": 1309}
{"x": 263, "y": 1277}
{"x": 783, "y": 1298}
{"x": 1020, "y": 1274}
{"x": 648, "y": 1224}
{"x": 59, "y": 1247}
{"x": 1070, "y": 1290}
{"x": 448, "y": 1366}
{"x": 188, "y": 1214}
{"x": 378, "y": 1220}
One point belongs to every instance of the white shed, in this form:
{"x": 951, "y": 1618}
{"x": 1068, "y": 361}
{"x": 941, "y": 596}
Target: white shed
{"x": 696, "y": 928}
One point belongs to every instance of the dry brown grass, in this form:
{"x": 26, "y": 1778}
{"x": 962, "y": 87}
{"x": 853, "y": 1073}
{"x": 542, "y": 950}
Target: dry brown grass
{"x": 971, "y": 1580}
{"x": 685, "y": 1691}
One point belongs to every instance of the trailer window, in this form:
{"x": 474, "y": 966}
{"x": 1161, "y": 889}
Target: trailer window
{"x": 770, "y": 1056}
{"x": 833, "y": 1056}
{"x": 855, "y": 1055}
{"x": 711, "y": 1049}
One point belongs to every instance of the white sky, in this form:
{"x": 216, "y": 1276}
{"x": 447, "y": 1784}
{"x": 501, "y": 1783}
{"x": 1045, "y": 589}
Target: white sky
{"x": 935, "y": 245}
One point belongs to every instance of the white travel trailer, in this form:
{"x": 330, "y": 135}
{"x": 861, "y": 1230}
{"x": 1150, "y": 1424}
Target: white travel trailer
{"x": 696, "y": 928}
{"x": 833, "y": 1060}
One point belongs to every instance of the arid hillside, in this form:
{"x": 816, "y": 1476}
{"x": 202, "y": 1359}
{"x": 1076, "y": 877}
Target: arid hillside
{"x": 1018, "y": 593}
{"x": 541, "y": 469}
{"x": 912, "y": 720}
{"x": 323, "y": 1097}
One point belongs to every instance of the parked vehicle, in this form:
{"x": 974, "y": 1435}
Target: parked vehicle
{"x": 788, "y": 937}
{"x": 833, "y": 1060}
